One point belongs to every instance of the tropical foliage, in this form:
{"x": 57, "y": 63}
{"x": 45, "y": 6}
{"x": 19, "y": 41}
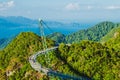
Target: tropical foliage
{"x": 94, "y": 33}
{"x": 88, "y": 59}
{"x": 14, "y": 58}
{"x": 82, "y": 58}
{"x": 57, "y": 37}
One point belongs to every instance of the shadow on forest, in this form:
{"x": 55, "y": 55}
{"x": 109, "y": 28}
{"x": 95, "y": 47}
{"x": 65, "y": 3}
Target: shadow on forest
{"x": 71, "y": 68}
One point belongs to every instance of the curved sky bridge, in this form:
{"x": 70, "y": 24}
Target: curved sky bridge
{"x": 38, "y": 67}
{"x": 49, "y": 72}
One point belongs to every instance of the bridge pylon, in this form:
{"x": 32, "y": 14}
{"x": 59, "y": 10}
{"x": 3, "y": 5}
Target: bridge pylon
{"x": 44, "y": 42}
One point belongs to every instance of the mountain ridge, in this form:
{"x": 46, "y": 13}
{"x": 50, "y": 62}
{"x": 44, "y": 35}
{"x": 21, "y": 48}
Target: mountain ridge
{"x": 94, "y": 33}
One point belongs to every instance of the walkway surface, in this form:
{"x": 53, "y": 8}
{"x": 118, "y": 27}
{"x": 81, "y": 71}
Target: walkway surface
{"x": 38, "y": 67}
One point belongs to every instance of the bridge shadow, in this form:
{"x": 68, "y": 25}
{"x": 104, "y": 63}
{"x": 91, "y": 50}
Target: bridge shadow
{"x": 71, "y": 68}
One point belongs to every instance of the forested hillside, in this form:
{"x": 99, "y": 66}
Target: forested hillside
{"x": 82, "y": 58}
{"x": 57, "y": 37}
{"x": 114, "y": 41}
{"x": 112, "y": 34}
{"x": 87, "y": 58}
{"x": 94, "y": 33}
{"x": 14, "y": 58}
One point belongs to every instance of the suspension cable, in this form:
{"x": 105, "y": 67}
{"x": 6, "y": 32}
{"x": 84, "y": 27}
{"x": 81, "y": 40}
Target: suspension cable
{"x": 44, "y": 42}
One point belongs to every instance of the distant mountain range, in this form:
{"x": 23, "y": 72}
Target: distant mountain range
{"x": 19, "y": 21}
{"x": 13, "y": 21}
{"x": 11, "y": 26}
{"x": 62, "y": 32}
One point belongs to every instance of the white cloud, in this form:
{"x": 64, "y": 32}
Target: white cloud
{"x": 6, "y": 5}
{"x": 89, "y": 7}
{"x": 77, "y": 7}
{"x": 72, "y": 6}
{"x": 112, "y": 7}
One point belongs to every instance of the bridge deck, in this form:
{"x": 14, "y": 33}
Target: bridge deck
{"x": 38, "y": 67}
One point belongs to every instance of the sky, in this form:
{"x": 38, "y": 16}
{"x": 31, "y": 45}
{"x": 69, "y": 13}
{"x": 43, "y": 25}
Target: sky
{"x": 76, "y": 10}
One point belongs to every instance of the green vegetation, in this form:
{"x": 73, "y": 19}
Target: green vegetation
{"x": 57, "y": 37}
{"x": 14, "y": 58}
{"x": 94, "y": 33}
{"x": 82, "y": 58}
{"x": 114, "y": 41}
{"x": 85, "y": 59}
{"x": 112, "y": 34}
